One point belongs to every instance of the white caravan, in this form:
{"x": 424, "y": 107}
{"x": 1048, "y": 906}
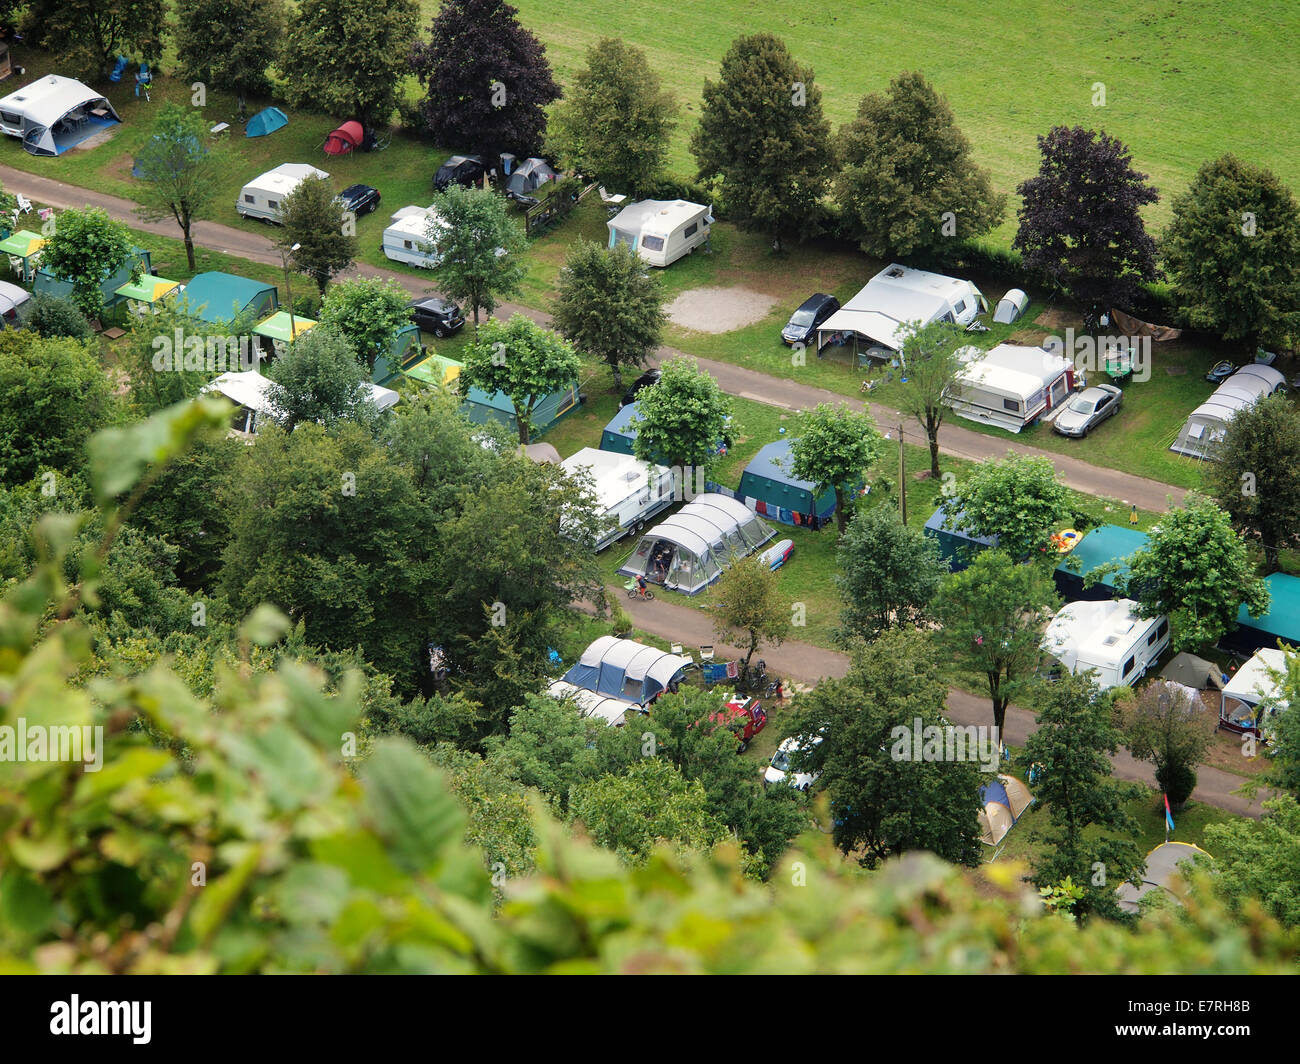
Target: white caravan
{"x": 1010, "y": 386}
{"x": 628, "y": 491}
{"x": 661, "y": 231}
{"x": 1108, "y": 637}
{"x": 407, "y": 237}
{"x": 261, "y": 198}
{"x": 1256, "y": 684}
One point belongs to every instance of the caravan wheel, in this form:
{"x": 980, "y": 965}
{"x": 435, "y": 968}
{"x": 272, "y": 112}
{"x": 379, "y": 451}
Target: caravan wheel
{"x": 639, "y": 526}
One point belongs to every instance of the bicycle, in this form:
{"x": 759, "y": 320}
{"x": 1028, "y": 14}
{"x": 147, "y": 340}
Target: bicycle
{"x": 636, "y": 593}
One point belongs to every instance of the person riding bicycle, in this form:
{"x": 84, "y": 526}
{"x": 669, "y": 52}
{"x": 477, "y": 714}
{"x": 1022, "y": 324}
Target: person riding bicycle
{"x": 641, "y": 585}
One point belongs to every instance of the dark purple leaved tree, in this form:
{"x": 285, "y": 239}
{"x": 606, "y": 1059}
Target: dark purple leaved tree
{"x": 1080, "y": 220}
{"x": 486, "y": 79}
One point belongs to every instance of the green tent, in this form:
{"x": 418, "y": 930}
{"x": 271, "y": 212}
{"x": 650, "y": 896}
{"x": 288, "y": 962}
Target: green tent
{"x": 1282, "y": 621}
{"x": 219, "y": 297}
{"x": 46, "y": 283}
{"x": 1104, "y": 545}
{"x": 277, "y": 326}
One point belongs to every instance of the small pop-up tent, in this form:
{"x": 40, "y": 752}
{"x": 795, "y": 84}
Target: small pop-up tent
{"x": 956, "y": 547}
{"x": 1010, "y": 307}
{"x": 1103, "y": 545}
{"x": 690, "y": 549}
{"x": 768, "y": 487}
{"x": 1161, "y": 865}
{"x": 1003, "y": 799}
{"x": 528, "y": 177}
{"x": 220, "y": 297}
{"x": 1191, "y": 671}
{"x": 627, "y": 670}
{"x": 1282, "y": 621}
{"x": 344, "y": 140}
{"x": 266, "y": 122}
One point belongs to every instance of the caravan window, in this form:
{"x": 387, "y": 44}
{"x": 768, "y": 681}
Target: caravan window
{"x": 273, "y": 204}
{"x": 11, "y": 119}
{"x": 1058, "y": 390}
{"x": 960, "y": 306}
{"x": 691, "y": 229}
{"x": 250, "y": 199}
{"x": 652, "y": 243}
{"x": 1011, "y": 404}
{"x": 1128, "y": 666}
{"x": 410, "y": 246}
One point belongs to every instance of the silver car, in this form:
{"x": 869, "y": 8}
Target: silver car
{"x": 1087, "y": 410}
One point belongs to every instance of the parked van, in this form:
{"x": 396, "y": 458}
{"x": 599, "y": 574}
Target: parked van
{"x": 630, "y": 491}
{"x": 661, "y": 231}
{"x": 1107, "y": 637}
{"x": 261, "y": 198}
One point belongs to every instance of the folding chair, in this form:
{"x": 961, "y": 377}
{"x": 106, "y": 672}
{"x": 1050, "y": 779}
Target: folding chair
{"x": 24, "y": 204}
{"x": 676, "y": 648}
{"x": 706, "y": 653}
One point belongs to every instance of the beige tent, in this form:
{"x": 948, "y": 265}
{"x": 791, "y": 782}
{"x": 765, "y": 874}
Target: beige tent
{"x": 1194, "y": 672}
{"x": 1004, "y": 798}
{"x": 1132, "y": 326}
{"x": 1161, "y": 866}
{"x": 542, "y": 453}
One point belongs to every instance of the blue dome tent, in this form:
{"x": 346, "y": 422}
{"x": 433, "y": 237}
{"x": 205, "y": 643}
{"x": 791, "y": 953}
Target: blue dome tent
{"x": 265, "y": 122}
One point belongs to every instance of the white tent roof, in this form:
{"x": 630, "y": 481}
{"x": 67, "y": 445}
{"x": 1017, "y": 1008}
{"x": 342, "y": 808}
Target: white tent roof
{"x": 656, "y": 217}
{"x": 1251, "y": 683}
{"x": 1012, "y": 368}
{"x": 284, "y": 178}
{"x": 251, "y": 389}
{"x": 611, "y": 710}
{"x": 45, "y": 101}
{"x": 696, "y": 525}
{"x": 895, "y": 296}
{"x": 1206, "y": 424}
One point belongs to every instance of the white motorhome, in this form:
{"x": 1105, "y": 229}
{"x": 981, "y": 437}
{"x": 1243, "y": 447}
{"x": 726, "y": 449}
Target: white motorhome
{"x": 661, "y": 231}
{"x": 1107, "y": 637}
{"x": 629, "y": 491}
{"x": 1010, "y": 386}
{"x": 876, "y": 317}
{"x": 407, "y": 237}
{"x": 261, "y": 198}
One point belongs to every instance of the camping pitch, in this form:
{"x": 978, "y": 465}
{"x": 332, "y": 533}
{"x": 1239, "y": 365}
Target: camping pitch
{"x": 690, "y": 550}
{"x": 768, "y": 487}
{"x": 1104, "y": 545}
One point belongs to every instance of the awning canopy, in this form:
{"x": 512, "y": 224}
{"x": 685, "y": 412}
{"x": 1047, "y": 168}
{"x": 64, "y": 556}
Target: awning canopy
{"x": 22, "y": 243}
{"x": 149, "y": 289}
{"x": 277, "y": 326}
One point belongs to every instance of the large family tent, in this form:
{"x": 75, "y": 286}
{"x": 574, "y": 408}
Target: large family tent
{"x": 689, "y": 550}
{"x": 54, "y": 114}
{"x": 627, "y": 670}
{"x": 528, "y": 177}
{"x": 266, "y": 122}
{"x": 956, "y": 547}
{"x": 227, "y": 297}
{"x": 768, "y": 487}
{"x": 613, "y": 711}
{"x": 1104, "y": 545}
{"x": 1161, "y": 865}
{"x": 140, "y": 261}
{"x": 1208, "y": 423}
{"x": 344, "y": 140}
{"x": 878, "y": 316}
{"x": 1256, "y": 684}
{"x": 1282, "y": 621}
{"x": 480, "y": 407}
{"x": 1002, "y": 801}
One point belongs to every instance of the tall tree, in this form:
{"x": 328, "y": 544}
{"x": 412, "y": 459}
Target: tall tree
{"x": 487, "y": 80}
{"x": 888, "y": 574}
{"x": 1020, "y": 499}
{"x": 313, "y": 234}
{"x": 834, "y": 448}
{"x": 1090, "y": 839}
{"x": 680, "y": 418}
{"x": 90, "y": 34}
{"x": 182, "y": 177}
{"x": 348, "y": 57}
{"x": 156, "y": 363}
{"x": 886, "y": 805}
{"x": 992, "y": 615}
{"x": 476, "y": 243}
{"x": 1259, "y": 860}
{"x": 1167, "y": 726}
{"x": 319, "y": 379}
{"x": 907, "y": 182}
{"x": 1233, "y": 254}
{"x": 1080, "y": 219}
{"x": 609, "y": 305}
{"x": 747, "y": 601}
{"x": 1256, "y": 477}
{"x": 367, "y": 311}
{"x": 228, "y": 44}
{"x": 930, "y": 355}
{"x": 53, "y": 395}
{"x": 87, "y": 247}
{"x": 615, "y": 119}
{"x": 1197, "y": 570}
{"x": 522, "y": 360}
{"x": 764, "y": 140}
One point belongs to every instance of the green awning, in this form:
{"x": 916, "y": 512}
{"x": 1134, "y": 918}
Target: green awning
{"x": 149, "y": 289}
{"x": 276, "y": 327}
{"x": 22, "y": 243}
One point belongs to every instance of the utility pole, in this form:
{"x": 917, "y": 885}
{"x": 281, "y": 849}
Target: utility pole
{"x": 902, "y": 478}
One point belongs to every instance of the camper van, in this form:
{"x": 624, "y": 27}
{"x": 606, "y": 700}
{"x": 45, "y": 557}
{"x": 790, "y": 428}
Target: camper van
{"x": 261, "y": 197}
{"x": 1010, "y": 386}
{"x": 661, "y": 231}
{"x": 628, "y": 491}
{"x": 1107, "y": 637}
{"x": 406, "y": 238}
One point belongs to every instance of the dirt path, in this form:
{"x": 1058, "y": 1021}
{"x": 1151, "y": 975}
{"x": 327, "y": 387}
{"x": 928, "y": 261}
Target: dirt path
{"x": 745, "y": 383}
{"x": 808, "y": 664}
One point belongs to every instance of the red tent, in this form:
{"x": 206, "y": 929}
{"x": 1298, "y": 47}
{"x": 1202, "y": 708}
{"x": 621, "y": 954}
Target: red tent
{"x": 344, "y": 139}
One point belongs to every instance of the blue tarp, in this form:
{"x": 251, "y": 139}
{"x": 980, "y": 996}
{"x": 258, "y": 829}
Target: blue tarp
{"x": 265, "y": 122}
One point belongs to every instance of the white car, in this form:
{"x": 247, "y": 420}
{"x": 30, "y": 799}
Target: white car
{"x": 779, "y": 770}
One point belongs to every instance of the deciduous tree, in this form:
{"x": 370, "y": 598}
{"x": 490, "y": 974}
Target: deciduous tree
{"x": 748, "y": 601}
{"x": 367, "y": 312}
{"x": 888, "y": 574}
{"x": 319, "y": 379}
{"x": 313, "y": 231}
{"x": 476, "y": 243}
{"x": 834, "y": 448}
{"x": 1165, "y": 725}
{"x": 228, "y": 44}
{"x": 681, "y": 418}
{"x": 1019, "y": 499}
{"x": 90, "y": 34}
{"x": 932, "y": 364}
{"x": 86, "y": 247}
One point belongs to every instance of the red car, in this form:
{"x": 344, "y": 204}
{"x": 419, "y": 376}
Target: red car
{"x": 746, "y": 717}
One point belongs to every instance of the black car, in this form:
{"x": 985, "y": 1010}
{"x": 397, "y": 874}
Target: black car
{"x": 812, "y": 312}
{"x": 649, "y": 377}
{"x": 437, "y": 316}
{"x": 465, "y": 170}
{"x": 360, "y": 199}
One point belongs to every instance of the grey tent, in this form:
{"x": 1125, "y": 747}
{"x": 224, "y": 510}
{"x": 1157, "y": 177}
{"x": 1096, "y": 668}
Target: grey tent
{"x": 626, "y": 670}
{"x": 1208, "y": 423}
{"x": 1161, "y": 866}
{"x": 528, "y": 177}
{"x": 1194, "y": 672}
{"x": 1010, "y": 307}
